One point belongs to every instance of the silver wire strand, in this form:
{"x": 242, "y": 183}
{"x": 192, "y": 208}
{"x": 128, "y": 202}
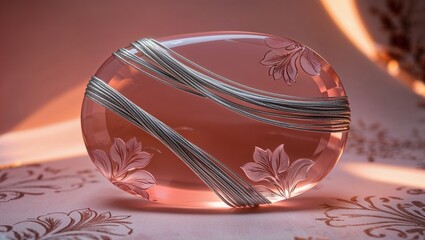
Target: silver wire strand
{"x": 228, "y": 186}
{"x": 330, "y": 114}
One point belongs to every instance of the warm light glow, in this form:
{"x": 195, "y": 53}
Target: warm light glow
{"x": 400, "y": 176}
{"x": 52, "y": 142}
{"x": 393, "y": 68}
{"x": 346, "y": 16}
{"x": 217, "y": 205}
{"x": 419, "y": 88}
{"x": 61, "y": 108}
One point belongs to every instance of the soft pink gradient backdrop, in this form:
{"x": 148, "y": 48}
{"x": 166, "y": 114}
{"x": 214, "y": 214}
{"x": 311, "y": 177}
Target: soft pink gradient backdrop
{"x": 49, "y": 49}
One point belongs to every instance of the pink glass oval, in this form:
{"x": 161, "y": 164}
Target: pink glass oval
{"x": 139, "y": 164}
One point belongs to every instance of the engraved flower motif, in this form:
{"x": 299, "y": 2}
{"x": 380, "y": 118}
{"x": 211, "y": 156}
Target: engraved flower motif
{"x": 123, "y": 166}
{"x": 275, "y": 168}
{"x": 284, "y": 57}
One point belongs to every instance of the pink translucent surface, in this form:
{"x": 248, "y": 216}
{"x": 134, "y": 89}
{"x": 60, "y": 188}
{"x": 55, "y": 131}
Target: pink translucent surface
{"x": 228, "y": 136}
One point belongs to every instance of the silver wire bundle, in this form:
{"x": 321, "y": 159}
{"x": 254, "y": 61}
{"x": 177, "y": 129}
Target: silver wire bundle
{"x": 163, "y": 64}
{"x": 330, "y": 114}
{"x": 231, "y": 188}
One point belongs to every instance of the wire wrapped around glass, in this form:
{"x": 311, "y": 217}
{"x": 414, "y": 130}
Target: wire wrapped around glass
{"x": 204, "y": 119}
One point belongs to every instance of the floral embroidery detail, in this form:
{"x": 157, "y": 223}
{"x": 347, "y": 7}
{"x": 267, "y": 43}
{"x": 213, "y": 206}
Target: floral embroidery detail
{"x": 412, "y": 191}
{"x": 78, "y": 224}
{"x": 274, "y": 168}
{"x": 375, "y": 142}
{"x": 123, "y": 166}
{"x": 37, "y": 179}
{"x": 284, "y": 56}
{"x": 380, "y": 217}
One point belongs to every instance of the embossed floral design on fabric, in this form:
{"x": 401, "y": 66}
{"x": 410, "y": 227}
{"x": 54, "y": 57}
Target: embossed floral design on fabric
{"x": 374, "y": 141}
{"x": 285, "y": 56}
{"x": 123, "y": 166}
{"x": 412, "y": 191}
{"x": 38, "y": 179}
{"x": 78, "y": 224}
{"x": 380, "y": 217}
{"x": 275, "y": 168}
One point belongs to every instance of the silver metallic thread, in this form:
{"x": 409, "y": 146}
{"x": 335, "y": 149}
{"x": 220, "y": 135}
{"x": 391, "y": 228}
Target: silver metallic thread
{"x": 161, "y": 63}
{"x": 231, "y": 188}
{"x": 330, "y": 114}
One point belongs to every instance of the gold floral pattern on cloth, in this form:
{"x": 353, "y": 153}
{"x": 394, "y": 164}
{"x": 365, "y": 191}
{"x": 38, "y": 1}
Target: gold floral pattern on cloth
{"x": 38, "y": 179}
{"x": 378, "y": 217}
{"x": 78, "y": 224}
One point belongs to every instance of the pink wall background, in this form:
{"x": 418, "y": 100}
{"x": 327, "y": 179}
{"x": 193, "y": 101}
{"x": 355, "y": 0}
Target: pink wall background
{"x": 50, "y": 49}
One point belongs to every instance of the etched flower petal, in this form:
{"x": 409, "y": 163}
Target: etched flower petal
{"x": 137, "y": 182}
{"x": 272, "y": 58}
{"x": 271, "y": 71}
{"x": 133, "y": 145}
{"x": 129, "y": 155}
{"x": 310, "y": 63}
{"x": 278, "y": 43}
{"x": 118, "y": 151}
{"x": 141, "y": 192}
{"x": 290, "y": 70}
{"x": 103, "y": 163}
{"x": 262, "y": 156}
{"x": 135, "y": 157}
{"x": 280, "y": 160}
{"x": 256, "y": 172}
{"x": 297, "y": 172}
{"x": 139, "y": 178}
{"x": 138, "y": 159}
{"x": 278, "y": 71}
